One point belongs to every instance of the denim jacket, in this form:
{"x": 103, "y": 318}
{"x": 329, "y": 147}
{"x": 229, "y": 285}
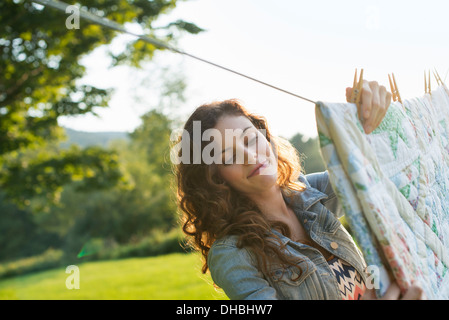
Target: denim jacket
{"x": 317, "y": 208}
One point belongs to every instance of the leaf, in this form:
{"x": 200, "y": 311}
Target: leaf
{"x": 186, "y": 26}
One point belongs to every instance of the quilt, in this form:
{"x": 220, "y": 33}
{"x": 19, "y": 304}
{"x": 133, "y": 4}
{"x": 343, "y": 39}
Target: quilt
{"x": 393, "y": 185}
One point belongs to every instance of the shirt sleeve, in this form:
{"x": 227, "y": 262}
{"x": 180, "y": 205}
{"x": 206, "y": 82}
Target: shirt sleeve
{"x": 232, "y": 270}
{"x": 320, "y": 181}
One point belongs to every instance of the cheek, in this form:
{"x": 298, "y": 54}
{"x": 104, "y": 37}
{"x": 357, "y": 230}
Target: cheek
{"x": 269, "y": 154}
{"x": 231, "y": 174}
{"x": 264, "y": 148}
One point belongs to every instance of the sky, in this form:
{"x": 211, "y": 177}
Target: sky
{"x": 311, "y": 48}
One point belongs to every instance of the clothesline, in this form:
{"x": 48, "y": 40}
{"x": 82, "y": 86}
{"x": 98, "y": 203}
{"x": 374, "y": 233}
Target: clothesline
{"x": 115, "y": 26}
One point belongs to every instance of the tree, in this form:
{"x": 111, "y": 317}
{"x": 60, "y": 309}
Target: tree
{"x": 309, "y": 150}
{"x": 39, "y": 64}
{"x": 146, "y": 203}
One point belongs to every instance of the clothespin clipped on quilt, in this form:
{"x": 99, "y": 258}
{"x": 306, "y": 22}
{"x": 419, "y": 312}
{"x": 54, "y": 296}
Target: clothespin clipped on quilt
{"x": 394, "y": 89}
{"x": 357, "y": 89}
{"x": 439, "y": 80}
{"x": 427, "y": 84}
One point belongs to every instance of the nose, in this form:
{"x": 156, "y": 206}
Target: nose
{"x": 250, "y": 156}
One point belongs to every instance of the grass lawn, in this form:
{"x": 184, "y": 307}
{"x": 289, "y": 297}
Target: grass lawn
{"x": 171, "y": 277}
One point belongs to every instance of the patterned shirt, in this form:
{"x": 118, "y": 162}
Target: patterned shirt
{"x": 350, "y": 282}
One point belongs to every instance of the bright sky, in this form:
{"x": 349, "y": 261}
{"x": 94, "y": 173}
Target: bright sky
{"x": 308, "y": 47}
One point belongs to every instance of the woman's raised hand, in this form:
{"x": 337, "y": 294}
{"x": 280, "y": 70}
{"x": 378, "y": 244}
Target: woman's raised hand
{"x": 374, "y": 103}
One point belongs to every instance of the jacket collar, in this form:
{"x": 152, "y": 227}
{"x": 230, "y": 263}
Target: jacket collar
{"x": 302, "y": 201}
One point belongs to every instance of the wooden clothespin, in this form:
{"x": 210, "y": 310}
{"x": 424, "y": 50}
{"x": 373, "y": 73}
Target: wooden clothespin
{"x": 357, "y": 88}
{"x": 394, "y": 89}
{"x": 427, "y": 85}
{"x": 437, "y": 76}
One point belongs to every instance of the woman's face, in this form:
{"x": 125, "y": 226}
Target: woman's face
{"x": 248, "y": 163}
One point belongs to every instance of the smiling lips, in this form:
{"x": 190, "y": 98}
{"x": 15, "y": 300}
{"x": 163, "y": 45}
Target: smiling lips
{"x": 257, "y": 169}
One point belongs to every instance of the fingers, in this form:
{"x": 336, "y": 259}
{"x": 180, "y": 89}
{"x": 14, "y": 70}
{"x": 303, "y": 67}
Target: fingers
{"x": 388, "y": 99}
{"x": 348, "y": 94}
{"x": 370, "y": 294}
{"x": 370, "y": 100}
{"x": 393, "y": 292}
{"x": 382, "y": 108}
{"x": 414, "y": 293}
{"x": 359, "y": 106}
{"x": 375, "y": 102}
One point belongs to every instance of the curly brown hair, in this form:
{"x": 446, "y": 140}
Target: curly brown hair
{"x": 212, "y": 210}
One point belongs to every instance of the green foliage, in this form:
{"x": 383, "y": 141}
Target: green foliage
{"x": 20, "y": 234}
{"x": 40, "y": 68}
{"x": 159, "y": 243}
{"x": 87, "y": 139}
{"x": 49, "y": 259}
{"x": 40, "y": 174}
{"x": 309, "y": 149}
{"x": 133, "y": 217}
{"x": 57, "y": 199}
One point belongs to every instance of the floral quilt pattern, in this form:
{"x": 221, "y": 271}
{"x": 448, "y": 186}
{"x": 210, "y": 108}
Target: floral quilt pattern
{"x": 393, "y": 185}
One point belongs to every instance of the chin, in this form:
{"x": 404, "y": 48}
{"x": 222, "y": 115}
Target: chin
{"x": 265, "y": 181}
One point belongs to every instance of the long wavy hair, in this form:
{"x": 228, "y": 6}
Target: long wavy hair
{"x": 211, "y": 209}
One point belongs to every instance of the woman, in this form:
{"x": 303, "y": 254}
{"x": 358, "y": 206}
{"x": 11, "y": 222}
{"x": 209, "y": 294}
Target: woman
{"x": 264, "y": 229}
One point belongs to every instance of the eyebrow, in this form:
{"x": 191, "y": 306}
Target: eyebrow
{"x": 240, "y": 137}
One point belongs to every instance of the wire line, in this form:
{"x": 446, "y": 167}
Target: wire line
{"x": 115, "y": 26}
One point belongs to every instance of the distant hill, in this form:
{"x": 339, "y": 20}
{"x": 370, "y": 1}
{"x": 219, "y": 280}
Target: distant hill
{"x": 85, "y": 139}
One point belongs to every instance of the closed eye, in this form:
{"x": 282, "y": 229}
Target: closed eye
{"x": 230, "y": 161}
{"x": 253, "y": 140}
{"x": 249, "y": 143}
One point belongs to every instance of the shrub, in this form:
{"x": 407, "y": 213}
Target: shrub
{"x": 158, "y": 243}
{"x": 51, "y": 258}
